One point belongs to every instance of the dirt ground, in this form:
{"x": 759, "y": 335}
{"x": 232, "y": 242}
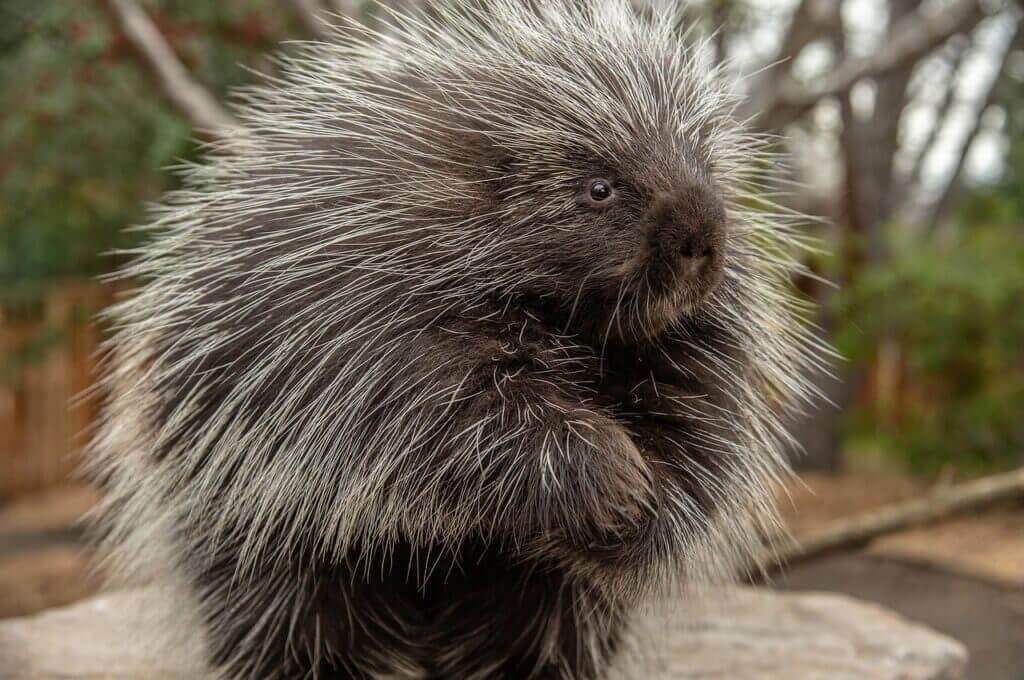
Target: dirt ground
{"x": 963, "y": 577}
{"x": 43, "y": 559}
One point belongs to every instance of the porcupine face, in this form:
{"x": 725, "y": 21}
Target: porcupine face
{"x": 600, "y": 171}
{"x": 638, "y": 248}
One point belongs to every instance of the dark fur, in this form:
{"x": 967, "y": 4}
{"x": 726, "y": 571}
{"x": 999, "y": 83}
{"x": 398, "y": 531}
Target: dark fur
{"x": 380, "y": 619}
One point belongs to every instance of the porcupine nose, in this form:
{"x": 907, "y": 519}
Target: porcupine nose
{"x": 689, "y": 227}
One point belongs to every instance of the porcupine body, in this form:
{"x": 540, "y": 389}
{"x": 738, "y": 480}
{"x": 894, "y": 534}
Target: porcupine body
{"x": 466, "y": 345}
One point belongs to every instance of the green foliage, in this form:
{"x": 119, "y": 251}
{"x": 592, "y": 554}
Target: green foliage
{"x": 953, "y": 306}
{"x": 85, "y": 135}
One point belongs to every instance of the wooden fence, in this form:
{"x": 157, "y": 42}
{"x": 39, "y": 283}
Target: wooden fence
{"x": 48, "y": 359}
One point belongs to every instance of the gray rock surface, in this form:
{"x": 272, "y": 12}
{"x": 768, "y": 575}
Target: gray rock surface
{"x": 746, "y": 634}
{"x": 756, "y": 634}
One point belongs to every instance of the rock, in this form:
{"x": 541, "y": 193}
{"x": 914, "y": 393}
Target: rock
{"x": 116, "y": 636}
{"x": 757, "y": 634}
{"x": 747, "y": 633}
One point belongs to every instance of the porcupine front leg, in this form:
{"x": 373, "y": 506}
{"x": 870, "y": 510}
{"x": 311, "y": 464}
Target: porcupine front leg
{"x": 558, "y": 493}
{"x": 675, "y": 393}
{"x": 498, "y": 619}
{"x": 520, "y": 454}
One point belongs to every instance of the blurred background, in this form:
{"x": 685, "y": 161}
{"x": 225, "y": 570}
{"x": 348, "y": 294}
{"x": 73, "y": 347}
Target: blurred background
{"x": 904, "y": 122}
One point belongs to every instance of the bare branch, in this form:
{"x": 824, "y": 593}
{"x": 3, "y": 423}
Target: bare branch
{"x": 912, "y": 39}
{"x": 207, "y": 115}
{"x": 881, "y": 140}
{"x": 811, "y": 19}
{"x": 941, "y": 115}
{"x": 347, "y": 8}
{"x": 808, "y": 18}
{"x": 953, "y": 183}
{"x": 720, "y": 24}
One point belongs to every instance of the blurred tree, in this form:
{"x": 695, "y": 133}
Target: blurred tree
{"x": 855, "y": 104}
{"x": 81, "y": 137}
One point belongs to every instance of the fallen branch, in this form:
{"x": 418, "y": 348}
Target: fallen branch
{"x": 939, "y": 504}
{"x": 206, "y": 114}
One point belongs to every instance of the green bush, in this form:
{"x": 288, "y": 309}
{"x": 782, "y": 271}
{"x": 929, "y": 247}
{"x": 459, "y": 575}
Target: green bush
{"x": 955, "y": 308}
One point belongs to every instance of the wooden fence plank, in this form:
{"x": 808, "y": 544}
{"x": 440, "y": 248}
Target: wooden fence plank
{"x": 42, "y": 431}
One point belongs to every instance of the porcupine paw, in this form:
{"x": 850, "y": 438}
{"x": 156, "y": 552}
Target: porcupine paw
{"x": 618, "y": 498}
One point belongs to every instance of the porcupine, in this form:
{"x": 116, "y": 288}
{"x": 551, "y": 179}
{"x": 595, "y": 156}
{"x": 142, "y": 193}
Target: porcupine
{"x": 470, "y": 342}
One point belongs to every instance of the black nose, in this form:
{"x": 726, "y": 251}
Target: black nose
{"x": 688, "y": 225}
{"x": 696, "y": 242}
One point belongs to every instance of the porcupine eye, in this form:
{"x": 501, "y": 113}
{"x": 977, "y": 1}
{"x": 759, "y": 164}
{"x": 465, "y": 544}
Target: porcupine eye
{"x": 600, "y": 190}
